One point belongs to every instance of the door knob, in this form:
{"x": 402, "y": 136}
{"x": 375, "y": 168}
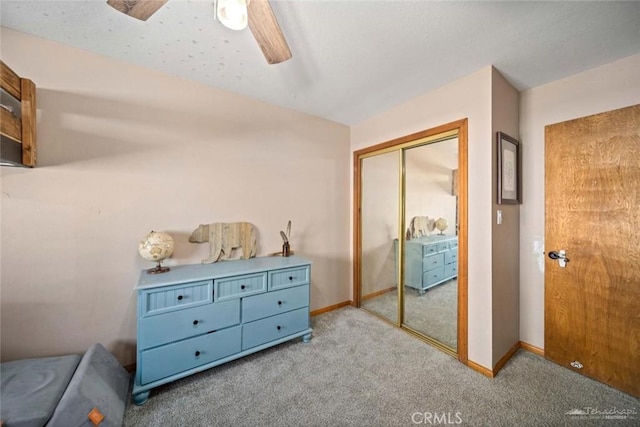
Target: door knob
{"x": 561, "y": 256}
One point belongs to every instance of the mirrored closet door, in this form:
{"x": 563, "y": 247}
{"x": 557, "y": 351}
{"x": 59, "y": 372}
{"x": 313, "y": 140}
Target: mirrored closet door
{"x": 431, "y": 245}
{"x": 409, "y": 213}
{"x": 379, "y": 225}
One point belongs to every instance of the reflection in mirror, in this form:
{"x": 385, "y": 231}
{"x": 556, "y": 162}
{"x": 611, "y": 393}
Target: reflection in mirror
{"x": 380, "y": 198}
{"x": 431, "y": 246}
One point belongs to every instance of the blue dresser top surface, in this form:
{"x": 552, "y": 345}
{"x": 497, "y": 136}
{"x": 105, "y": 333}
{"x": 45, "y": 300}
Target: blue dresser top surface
{"x": 432, "y": 238}
{"x": 195, "y": 272}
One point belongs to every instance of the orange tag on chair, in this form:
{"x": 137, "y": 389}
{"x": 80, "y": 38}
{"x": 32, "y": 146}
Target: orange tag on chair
{"x": 95, "y": 416}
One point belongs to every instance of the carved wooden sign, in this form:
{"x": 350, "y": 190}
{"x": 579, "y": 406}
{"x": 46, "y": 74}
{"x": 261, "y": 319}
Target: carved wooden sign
{"x": 224, "y": 237}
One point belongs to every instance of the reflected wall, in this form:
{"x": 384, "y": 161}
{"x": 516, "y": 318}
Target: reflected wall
{"x": 380, "y": 198}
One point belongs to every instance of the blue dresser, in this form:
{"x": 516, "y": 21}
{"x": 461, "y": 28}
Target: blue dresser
{"x": 199, "y": 316}
{"x": 429, "y": 261}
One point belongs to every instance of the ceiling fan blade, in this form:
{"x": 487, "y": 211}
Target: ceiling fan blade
{"x": 139, "y": 9}
{"x": 267, "y": 32}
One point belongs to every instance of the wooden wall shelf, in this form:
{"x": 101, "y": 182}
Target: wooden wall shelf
{"x": 17, "y": 118}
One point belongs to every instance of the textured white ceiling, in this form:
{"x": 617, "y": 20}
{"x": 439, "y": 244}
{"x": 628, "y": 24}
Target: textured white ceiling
{"x": 351, "y": 59}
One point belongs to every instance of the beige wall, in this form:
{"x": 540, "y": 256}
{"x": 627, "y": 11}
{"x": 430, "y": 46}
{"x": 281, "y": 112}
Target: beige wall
{"x": 506, "y": 236}
{"x": 125, "y": 150}
{"x": 605, "y": 88}
{"x": 468, "y": 97}
{"x": 428, "y": 173}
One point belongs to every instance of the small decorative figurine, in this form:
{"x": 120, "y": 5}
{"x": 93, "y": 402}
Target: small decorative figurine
{"x": 286, "y": 247}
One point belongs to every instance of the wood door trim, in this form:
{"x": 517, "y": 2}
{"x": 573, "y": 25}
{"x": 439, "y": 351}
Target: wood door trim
{"x": 412, "y": 137}
{"x": 357, "y": 231}
{"x": 463, "y": 243}
{"x": 463, "y": 247}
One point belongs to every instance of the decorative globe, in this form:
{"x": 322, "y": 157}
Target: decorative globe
{"x": 156, "y": 246}
{"x": 441, "y": 224}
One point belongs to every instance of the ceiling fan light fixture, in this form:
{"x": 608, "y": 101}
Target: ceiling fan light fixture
{"x": 232, "y": 13}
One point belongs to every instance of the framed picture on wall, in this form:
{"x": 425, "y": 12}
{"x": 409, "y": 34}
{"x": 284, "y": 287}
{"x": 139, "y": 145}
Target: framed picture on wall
{"x": 509, "y": 170}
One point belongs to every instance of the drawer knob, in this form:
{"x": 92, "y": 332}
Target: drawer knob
{"x": 197, "y": 353}
{"x": 290, "y": 277}
{"x": 180, "y": 297}
{"x": 242, "y": 286}
{"x": 279, "y": 327}
{"x": 279, "y": 302}
{"x": 195, "y": 322}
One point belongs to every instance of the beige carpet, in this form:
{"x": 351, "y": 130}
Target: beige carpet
{"x": 361, "y": 371}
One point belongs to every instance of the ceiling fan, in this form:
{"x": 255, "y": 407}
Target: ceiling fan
{"x": 261, "y": 20}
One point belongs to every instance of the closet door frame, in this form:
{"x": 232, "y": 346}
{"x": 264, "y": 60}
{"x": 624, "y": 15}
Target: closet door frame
{"x": 458, "y": 128}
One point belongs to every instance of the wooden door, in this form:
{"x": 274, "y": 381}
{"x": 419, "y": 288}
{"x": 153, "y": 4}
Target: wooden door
{"x": 592, "y": 211}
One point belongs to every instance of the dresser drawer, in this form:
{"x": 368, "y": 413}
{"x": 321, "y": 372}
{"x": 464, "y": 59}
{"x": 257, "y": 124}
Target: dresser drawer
{"x": 451, "y": 256}
{"x": 443, "y": 246}
{"x": 453, "y": 243}
{"x": 432, "y": 261}
{"x": 288, "y": 277}
{"x": 432, "y": 276}
{"x": 429, "y": 249}
{"x": 172, "y": 298}
{"x": 238, "y": 286}
{"x": 173, "y": 358}
{"x": 274, "y": 327}
{"x": 451, "y": 270}
{"x": 169, "y": 327}
{"x": 276, "y": 302}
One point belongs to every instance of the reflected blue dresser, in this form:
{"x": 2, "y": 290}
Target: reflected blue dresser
{"x": 195, "y": 317}
{"x": 429, "y": 261}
